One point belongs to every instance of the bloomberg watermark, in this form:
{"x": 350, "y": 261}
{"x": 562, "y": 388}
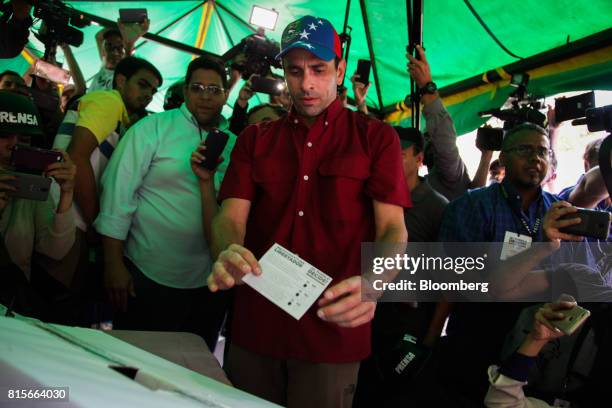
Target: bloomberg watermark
{"x": 464, "y": 272}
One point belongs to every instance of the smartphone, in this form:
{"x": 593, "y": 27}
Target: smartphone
{"x": 29, "y": 186}
{"x": 594, "y": 224}
{"x": 51, "y": 72}
{"x": 215, "y": 143}
{"x": 32, "y": 160}
{"x": 573, "y": 319}
{"x": 133, "y": 15}
{"x": 488, "y": 138}
{"x": 573, "y": 107}
{"x": 363, "y": 70}
{"x": 268, "y": 86}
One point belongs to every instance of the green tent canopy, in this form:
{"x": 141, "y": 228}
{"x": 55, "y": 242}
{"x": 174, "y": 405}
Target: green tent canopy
{"x": 564, "y": 45}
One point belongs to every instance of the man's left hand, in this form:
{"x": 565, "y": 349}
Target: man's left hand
{"x": 342, "y": 304}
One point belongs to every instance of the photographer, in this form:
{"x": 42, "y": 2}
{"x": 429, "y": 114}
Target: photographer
{"x": 14, "y": 28}
{"x": 114, "y": 44}
{"x": 507, "y": 381}
{"x": 27, "y": 225}
{"x": 447, "y": 172}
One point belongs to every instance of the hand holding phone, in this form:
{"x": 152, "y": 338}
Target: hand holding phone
{"x": 594, "y": 224}
{"x": 32, "y": 160}
{"x": 214, "y": 144}
{"x": 572, "y": 319}
{"x": 28, "y": 186}
{"x": 268, "y": 86}
{"x": 363, "y": 71}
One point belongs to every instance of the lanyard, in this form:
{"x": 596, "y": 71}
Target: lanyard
{"x": 521, "y": 218}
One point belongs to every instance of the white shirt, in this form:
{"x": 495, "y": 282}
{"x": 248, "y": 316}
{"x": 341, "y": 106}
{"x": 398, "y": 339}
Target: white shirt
{"x": 151, "y": 199}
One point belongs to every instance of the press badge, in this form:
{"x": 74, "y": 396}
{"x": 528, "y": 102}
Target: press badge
{"x": 513, "y": 244}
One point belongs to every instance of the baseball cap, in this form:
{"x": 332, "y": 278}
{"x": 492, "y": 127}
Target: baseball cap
{"x": 316, "y": 35}
{"x": 409, "y": 137}
{"x": 18, "y": 115}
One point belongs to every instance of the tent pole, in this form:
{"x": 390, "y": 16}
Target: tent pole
{"x": 414, "y": 12}
{"x": 345, "y": 39}
{"x": 153, "y": 37}
{"x": 236, "y": 17}
{"x": 366, "y": 26}
{"x": 591, "y": 43}
{"x": 167, "y": 26}
{"x": 224, "y": 26}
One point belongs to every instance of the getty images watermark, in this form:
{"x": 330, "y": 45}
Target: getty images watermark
{"x": 464, "y": 272}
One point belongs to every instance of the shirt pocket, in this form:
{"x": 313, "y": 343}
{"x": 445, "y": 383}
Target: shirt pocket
{"x": 342, "y": 187}
{"x": 274, "y": 180}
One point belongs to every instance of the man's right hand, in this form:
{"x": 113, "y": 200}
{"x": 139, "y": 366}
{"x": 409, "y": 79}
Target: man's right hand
{"x": 419, "y": 68}
{"x": 552, "y": 223}
{"x": 231, "y": 266}
{"x": 119, "y": 284}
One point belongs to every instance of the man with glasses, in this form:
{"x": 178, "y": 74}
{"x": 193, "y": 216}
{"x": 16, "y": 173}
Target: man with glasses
{"x": 511, "y": 212}
{"x": 155, "y": 212}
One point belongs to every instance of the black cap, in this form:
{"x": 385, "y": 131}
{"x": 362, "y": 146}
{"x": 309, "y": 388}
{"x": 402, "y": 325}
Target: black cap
{"x": 409, "y": 137}
{"x": 18, "y": 115}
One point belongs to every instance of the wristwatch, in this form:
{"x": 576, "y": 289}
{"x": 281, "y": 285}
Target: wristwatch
{"x": 429, "y": 88}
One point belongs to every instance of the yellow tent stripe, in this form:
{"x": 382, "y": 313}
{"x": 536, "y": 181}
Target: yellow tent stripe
{"x": 600, "y": 56}
{"x": 207, "y": 10}
{"x": 27, "y": 56}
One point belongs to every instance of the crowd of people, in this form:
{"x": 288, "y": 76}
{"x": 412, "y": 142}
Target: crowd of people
{"x": 136, "y": 231}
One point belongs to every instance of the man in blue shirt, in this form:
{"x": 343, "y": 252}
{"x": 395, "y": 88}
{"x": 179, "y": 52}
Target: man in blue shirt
{"x": 516, "y": 208}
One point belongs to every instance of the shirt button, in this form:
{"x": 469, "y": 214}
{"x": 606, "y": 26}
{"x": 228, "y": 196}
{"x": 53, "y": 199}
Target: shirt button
{"x": 306, "y": 178}
{"x": 326, "y": 123}
{"x": 301, "y": 213}
{"x": 309, "y": 144}
{"x": 295, "y": 121}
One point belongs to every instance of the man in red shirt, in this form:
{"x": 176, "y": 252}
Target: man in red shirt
{"x": 319, "y": 182}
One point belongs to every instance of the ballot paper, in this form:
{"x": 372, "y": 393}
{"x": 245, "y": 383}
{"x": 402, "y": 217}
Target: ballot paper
{"x": 288, "y": 281}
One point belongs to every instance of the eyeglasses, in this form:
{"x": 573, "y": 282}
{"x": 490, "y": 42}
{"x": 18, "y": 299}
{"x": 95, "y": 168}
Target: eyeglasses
{"x": 200, "y": 89}
{"x": 528, "y": 151}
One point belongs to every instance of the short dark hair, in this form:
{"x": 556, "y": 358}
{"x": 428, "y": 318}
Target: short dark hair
{"x": 111, "y": 32}
{"x": 8, "y": 72}
{"x": 208, "y": 63}
{"x": 522, "y": 127}
{"x": 278, "y": 109}
{"x": 591, "y": 151}
{"x": 495, "y": 166}
{"x": 131, "y": 65}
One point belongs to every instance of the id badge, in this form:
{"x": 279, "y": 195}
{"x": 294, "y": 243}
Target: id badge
{"x": 513, "y": 244}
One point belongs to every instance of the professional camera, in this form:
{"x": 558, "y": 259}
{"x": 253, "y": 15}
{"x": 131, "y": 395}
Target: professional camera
{"x": 259, "y": 55}
{"x": 597, "y": 119}
{"x": 58, "y": 20}
{"x": 524, "y": 108}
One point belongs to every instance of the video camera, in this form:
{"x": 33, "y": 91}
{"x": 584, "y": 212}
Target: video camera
{"x": 260, "y": 53}
{"x": 58, "y": 20}
{"x": 525, "y": 108}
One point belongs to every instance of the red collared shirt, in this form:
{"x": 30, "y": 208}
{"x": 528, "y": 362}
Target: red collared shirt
{"x": 311, "y": 191}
